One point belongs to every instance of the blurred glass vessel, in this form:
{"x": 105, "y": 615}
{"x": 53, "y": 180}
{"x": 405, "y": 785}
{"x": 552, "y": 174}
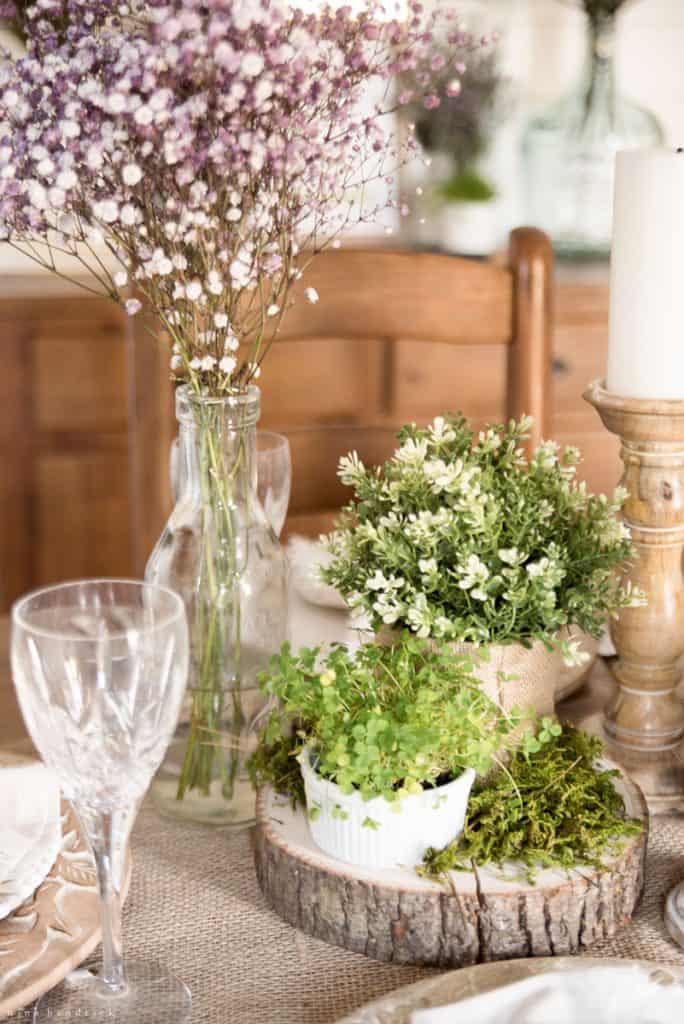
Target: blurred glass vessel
{"x": 219, "y": 551}
{"x": 274, "y": 475}
{"x": 569, "y": 151}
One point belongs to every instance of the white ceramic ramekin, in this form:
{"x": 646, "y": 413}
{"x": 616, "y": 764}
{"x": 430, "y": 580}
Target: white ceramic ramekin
{"x": 394, "y": 835}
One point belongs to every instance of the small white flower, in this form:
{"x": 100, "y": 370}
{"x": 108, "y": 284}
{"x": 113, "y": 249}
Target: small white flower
{"x": 132, "y": 174}
{"x": 272, "y": 310}
{"x": 234, "y": 214}
{"x": 66, "y": 180}
{"x": 252, "y": 64}
{"x": 107, "y": 210}
{"x": 440, "y": 431}
{"x": 214, "y": 283}
{"x": 70, "y": 129}
{"x": 121, "y": 279}
{"x": 207, "y": 363}
{"x": 45, "y": 167}
{"x": 57, "y": 198}
{"x": 231, "y": 344}
{"x": 444, "y": 477}
{"x": 176, "y": 362}
{"x": 419, "y": 616}
{"x": 511, "y": 556}
{"x": 411, "y": 453}
{"x": 263, "y": 90}
{"x": 572, "y": 653}
{"x": 311, "y": 295}
{"x": 220, "y": 320}
{"x": 37, "y": 194}
{"x": 94, "y": 158}
{"x": 349, "y": 468}
{"x": 475, "y": 574}
{"x": 227, "y": 364}
{"x": 144, "y": 115}
{"x": 193, "y": 290}
{"x": 117, "y": 103}
{"x": 133, "y": 306}
{"x": 128, "y": 215}
{"x": 377, "y": 581}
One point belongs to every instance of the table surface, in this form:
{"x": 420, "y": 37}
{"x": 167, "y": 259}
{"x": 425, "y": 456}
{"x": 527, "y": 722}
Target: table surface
{"x": 196, "y": 907}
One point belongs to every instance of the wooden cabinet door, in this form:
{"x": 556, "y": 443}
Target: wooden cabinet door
{"x": 64, "y": 481}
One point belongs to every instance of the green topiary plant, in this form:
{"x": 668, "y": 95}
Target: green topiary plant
{"x": 459, "y": 537}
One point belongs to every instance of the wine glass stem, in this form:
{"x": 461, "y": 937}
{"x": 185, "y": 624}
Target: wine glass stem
{"x": 112, "y": 973}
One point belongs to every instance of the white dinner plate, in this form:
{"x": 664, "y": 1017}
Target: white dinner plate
{"x": 30, "y": 830}
{"x": 444, "y": 989}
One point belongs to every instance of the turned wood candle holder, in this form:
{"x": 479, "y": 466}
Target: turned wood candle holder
{"x": 644, "y": 721}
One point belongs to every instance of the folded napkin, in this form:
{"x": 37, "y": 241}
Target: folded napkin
{"x": 595, "y": 995}
{"x": 304, "y": 556}
{"x": 30, "y": 831}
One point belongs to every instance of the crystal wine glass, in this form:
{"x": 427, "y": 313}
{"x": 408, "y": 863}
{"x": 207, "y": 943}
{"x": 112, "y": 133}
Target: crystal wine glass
{"x": 274, "y": 475}
{"x": 100, "y": 668}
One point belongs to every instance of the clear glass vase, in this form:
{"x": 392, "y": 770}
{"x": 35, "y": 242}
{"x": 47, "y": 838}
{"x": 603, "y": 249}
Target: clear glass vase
{"x": 569, "y": 152}
{"x": 220, "y": 554}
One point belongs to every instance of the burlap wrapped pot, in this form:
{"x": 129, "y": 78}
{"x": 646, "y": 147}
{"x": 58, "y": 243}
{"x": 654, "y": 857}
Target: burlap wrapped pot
{"x": 536, "y": 670}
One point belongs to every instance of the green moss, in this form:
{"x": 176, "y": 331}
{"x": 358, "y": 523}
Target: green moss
{"x": 274, "y": 762}
{"x": 551, "y": 808}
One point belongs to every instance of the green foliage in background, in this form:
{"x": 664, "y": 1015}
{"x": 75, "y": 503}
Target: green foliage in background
{"x": 600, "y": 10}
{"x": 466, "y": 187}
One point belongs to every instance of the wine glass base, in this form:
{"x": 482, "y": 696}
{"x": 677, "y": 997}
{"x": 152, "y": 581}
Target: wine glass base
{"x": 151, "y": 996}
{"x": 674, "y": 914}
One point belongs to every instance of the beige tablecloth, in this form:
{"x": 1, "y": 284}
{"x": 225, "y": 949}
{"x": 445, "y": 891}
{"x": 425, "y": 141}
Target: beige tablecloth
{"x": 195, "y": 906}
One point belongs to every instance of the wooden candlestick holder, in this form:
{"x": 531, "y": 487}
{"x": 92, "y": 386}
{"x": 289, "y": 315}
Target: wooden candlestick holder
{"x": 644, "y": 722}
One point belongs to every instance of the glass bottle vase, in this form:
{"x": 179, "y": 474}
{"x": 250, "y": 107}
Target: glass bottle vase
{"x": 219, "y": 552}
{"x": 569, "y": 152}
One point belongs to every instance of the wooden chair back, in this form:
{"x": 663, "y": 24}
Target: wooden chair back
{"x": 395, "y": 336}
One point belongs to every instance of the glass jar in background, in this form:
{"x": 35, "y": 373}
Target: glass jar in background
{"x": 569, "y": 151}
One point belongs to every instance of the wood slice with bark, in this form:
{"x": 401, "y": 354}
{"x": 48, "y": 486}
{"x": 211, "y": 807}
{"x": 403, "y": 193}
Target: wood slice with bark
{"x": 477, "y": 916}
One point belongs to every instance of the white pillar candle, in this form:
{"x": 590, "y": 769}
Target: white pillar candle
{"x": 646, "y": 347}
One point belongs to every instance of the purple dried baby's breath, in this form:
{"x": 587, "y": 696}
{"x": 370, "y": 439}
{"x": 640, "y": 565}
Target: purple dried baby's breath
{"x": 206, "y": 146}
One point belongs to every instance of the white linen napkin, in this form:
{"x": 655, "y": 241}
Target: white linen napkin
{"x": 304, "y": 556}
{"x": 30, "y": 830}
{"x": 595, "y": 995}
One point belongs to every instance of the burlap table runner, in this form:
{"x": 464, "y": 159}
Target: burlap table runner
{"x": 195, "y": 906}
